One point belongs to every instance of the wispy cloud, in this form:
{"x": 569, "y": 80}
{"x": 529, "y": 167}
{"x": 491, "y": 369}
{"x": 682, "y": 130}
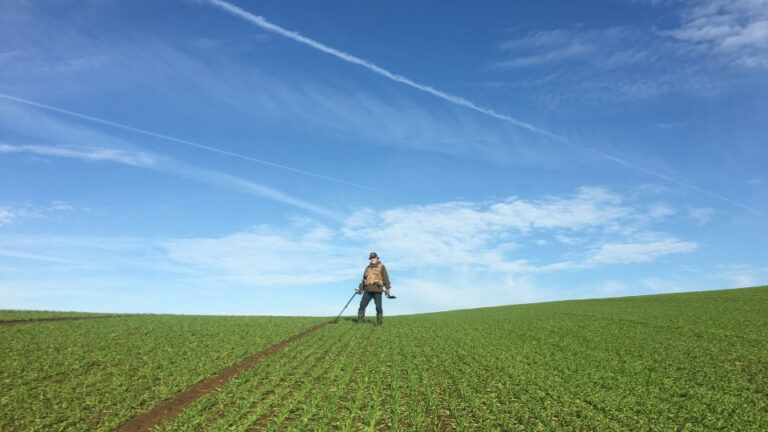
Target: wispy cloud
{"x": 13, "y": 213}
{"x": 563, "y": 45}
{"x": 701, "y": 215}
{"x": 84, "y": 153}
{"x": 176, "y": 140}
{"x": 638, "y": 252}
{"x": 221, "y": 82}
{"x": 457, "y": 249}
{"x": 307, "y": 255}
{"x": 477, "y": 239}
{"x": 242, "y": 185}
{"x": 164, "y": 165}
{"x": 708, "y": 50}
{"x": 743, "y": 275}
{"x": 457, "y": 100}
{"x": 485, "y": 235}
{"x": 735, "y": 29}
{"x": 106, "y": 148}
{"x": 659, "y": 286}
{"x": 460, "y": 249}
{"x": 34, "y": 256}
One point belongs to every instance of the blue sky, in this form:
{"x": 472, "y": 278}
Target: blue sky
{"x": 206, "y": 157}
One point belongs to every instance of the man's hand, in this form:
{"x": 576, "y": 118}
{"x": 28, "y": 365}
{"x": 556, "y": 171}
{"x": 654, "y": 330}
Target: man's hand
{"x": 358, "y": 291}
{"x": 386, "y": 291}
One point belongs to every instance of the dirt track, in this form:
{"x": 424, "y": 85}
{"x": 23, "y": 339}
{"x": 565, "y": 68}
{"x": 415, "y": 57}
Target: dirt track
{"x": 175, "y": 405}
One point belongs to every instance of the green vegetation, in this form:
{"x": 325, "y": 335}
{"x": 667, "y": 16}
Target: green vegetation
{"x": 93, "y": 375}
{"x": 694, "y": 361}
{"x": 11, "y": 315}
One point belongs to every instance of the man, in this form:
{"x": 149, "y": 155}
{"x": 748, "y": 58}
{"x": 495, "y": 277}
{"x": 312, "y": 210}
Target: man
{"x": 375, "y": 280}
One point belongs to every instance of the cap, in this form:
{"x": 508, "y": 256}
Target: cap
{"x": 372, "y": 255}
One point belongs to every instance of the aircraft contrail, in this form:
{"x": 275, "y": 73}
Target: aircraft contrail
{"x": 457, "y": 100}
{"x": 181, "y": 141}
{"x": 168, "y": 166}
{"x": 261, "y": 22}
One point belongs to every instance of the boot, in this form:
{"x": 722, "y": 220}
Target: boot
{"x": 360, "y": 315}
{"x": 379, "y": 318}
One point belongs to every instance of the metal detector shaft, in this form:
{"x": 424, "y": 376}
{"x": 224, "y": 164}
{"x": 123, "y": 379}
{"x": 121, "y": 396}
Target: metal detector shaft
{"x": 345, "y": 307}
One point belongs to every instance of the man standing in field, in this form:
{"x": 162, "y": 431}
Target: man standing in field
{"x": 375, "y": 280}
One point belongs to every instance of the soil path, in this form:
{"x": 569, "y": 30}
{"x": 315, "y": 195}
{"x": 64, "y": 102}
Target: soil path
{"x": 173, "y": 406}
{"x": 38, "y": 320}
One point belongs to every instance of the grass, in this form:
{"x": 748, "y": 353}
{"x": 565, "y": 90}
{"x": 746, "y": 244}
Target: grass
{"x": 693, "y": 361}
{"x": 16, "y": 315}
{"x": 93, "y": 375}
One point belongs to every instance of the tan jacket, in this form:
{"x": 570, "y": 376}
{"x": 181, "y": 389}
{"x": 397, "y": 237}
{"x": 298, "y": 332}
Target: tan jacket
{"x": 375, "y": 277}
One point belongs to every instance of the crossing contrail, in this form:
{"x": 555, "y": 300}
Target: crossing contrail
{"x": 457, "y": 100}
{"x": 182, "y": 141}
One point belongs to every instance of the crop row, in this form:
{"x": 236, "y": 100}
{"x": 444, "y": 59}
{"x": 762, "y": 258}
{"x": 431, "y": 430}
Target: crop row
{"x": 13, "y": 315}
{"x": 678, "y": 362}
{"x": 644, "y": 363}
{"x": 93, "y": 375}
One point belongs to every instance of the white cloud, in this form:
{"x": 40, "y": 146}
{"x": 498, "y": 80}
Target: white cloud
{"x": 612, "y": 288}
{"x": 84, "y": 153}
{"x": 169, "y": 138}
{"x": 568, "y": 240}
{"x": 736, "y": 29}
{"x": 701, "y": 215}
{"x": 9, "y": 214}
{"x": 444, "y": 255}
{"x": 431, "y": 295}
{"x": 264, "y": 256}
{"x": 35, "y": 257}
{"x": 477, "y": 234}
{"x": 12, "y": 213}
{"x": 106, "y": 148}
{"x": 604, "y": 49}
{"x": 709, "y": 49}
{"x": 454, "y": 239}
{"x": 659, "y": 286}
{"x": 660, "y": 211}
{"x": 744, "y": 275}
{"x": 638, "y": 252}
{"x": 571, "y": 50}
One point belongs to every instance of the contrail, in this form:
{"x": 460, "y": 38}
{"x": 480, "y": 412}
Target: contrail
{"x": 261, "y": 22}
{"x": 671, "y": 180}
{"x": 169, "y": 166}
{"x": 457, "y": 100}
{"x": 182, "y": 141}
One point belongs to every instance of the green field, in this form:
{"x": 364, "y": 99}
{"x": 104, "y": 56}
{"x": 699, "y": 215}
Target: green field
{"x": 13, "y": 315}
{"x": 694, "y": 361}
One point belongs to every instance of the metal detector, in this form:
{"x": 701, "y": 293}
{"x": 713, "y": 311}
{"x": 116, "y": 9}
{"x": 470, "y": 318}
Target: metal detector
{"x": 345, "y": 306}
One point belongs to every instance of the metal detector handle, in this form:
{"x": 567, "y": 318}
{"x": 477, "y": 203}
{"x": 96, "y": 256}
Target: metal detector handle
{"x": 345, "y": 306}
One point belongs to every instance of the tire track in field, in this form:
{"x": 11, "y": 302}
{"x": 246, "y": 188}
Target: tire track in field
{"x": 174, "y": 406}
{"x": 38, "y": 320}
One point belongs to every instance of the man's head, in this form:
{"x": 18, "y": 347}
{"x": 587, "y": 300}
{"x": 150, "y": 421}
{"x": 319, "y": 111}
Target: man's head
{"x": 373, "y": 257}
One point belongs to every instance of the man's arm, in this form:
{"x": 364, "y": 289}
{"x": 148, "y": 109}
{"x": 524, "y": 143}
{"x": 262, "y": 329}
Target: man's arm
{"x": 361, "y": 286}
{"x": 385, "y": 278}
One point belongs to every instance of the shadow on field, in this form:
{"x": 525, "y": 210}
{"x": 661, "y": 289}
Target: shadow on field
{"x": 348, "y": 319}
{"x": 353, "y": 320}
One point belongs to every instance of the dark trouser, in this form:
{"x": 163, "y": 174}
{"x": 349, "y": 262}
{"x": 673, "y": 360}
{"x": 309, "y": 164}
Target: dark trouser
{"x": 367, "y": 296}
